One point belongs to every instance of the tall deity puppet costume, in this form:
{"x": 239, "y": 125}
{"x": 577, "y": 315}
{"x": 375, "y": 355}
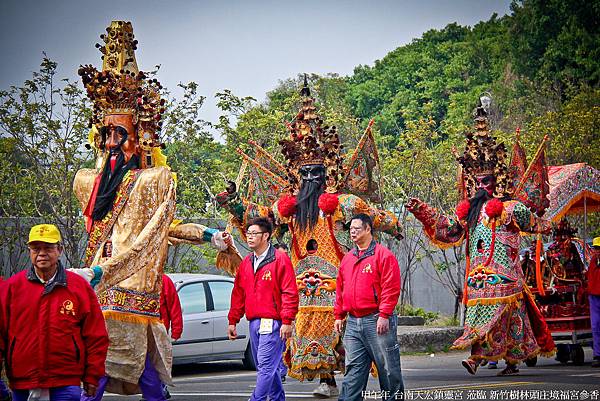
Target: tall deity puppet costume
{"x": 128, "y": 203}
{"x": 502, "y": 320}
{"x": 309, "y": 197}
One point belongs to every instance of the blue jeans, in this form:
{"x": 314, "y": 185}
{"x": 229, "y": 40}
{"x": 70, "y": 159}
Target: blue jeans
{"x": 66, "y": 393}
{"x": 266, "y": 351}
{"x": 363, "y": 345}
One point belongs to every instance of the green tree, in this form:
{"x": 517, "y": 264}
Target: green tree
{"x": 423, "y": 167}
{"x": 573, "y": 130}
{"x": 43, "y": 125}
{"x": 556, "y": 41}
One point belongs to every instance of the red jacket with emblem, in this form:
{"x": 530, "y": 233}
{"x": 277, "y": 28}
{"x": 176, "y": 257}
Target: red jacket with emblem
{"x": 593, "y": 274}
{"x": 270, "y": 293}
{"x": 367, "y": 282}
{"x": 54, "y": 335}
{"x": 170, "y": 308}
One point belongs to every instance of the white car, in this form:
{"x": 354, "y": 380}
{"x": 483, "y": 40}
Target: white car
{"x": 205, "y": 301}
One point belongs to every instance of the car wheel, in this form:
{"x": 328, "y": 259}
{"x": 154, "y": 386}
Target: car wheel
{"x": 577, "y": 355}
{"x": 562, "y": 353}
{"x": 248, "y": 360}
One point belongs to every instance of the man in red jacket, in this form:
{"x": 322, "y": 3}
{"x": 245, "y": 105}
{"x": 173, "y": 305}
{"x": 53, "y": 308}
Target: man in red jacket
{"x": 170, "y": 314}
{"x": 593, "y": 276}
{"x": 52, "y": 332}
{"x": 170, "y": 308}
{"x": 368, "y": 287}
{"x": 265, "y": 291}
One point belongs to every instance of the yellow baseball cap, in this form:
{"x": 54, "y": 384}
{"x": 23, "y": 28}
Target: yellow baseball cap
{"x": 44, "y": 233}
{"x": 596, "y": 242}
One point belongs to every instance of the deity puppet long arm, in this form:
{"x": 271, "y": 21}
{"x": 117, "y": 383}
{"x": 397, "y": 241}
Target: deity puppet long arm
{"x": 383, "y": 220}
{"x": 443, "y": 231}
{"x": 228, "y": 258}
{"x": 242, "y": 211}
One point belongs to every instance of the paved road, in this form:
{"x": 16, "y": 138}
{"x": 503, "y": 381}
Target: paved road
{"x": 437, "y": 377}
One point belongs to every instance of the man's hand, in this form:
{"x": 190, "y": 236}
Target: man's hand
{"x": 90, "y": 389}
{"x": 231, "y": 332}
{"x": 286, "y": 331}
{"x": 338, "y": 325}
{"x": 383, "y": 325}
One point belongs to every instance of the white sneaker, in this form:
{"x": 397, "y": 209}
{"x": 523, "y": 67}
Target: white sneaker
{"x": 325, "y": 391}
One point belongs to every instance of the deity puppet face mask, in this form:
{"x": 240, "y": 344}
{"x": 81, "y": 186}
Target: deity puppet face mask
{"x": 117, "y": 133}
{"x": 312, "y": 172}
{"x": 487, "y": 182}
{"x": 313, "y": 181}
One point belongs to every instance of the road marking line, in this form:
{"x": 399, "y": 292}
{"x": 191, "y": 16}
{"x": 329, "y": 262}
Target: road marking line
{"x": 467, "y": 386}
{"x": 586, "y": 375}
{"x": 249, "y": 374}
{"x": 287, "y": 395}
{"x": 184, "y": 379}
{"x": 310, "y": 394}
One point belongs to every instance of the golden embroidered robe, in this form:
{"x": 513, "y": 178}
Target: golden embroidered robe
{"x": 129, "y": 290}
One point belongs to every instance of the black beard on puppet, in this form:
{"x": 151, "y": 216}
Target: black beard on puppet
{"x": 476, "y": 203}
{"x": 110, "y": 182}
{"x": 307, "y": 203}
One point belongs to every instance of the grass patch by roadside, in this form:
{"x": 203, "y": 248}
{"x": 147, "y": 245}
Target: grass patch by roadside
{"x": 443, "y": 321}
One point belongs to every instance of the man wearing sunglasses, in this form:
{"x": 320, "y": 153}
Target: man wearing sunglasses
{"x": 265, "y": 291}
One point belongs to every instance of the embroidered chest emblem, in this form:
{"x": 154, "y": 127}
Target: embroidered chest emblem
{"x": 481, "y": 277}
{"x": 313, "y": 281}
{"x": 68, "y": 308}
{"x": 266, "y": 275}
{"x": 367, "y": 269}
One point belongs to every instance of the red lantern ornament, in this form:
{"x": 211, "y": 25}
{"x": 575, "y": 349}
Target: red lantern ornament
{"x": 328, "y": 203}
{"x": 462, "y": 209}
{"x": 287, "y": 206}
{"x": 494, "y": 208}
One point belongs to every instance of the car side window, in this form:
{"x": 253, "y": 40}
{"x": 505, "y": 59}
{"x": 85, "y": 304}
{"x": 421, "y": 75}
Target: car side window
{"x": 221, "y": 293}
{"x": 192, "y": 298}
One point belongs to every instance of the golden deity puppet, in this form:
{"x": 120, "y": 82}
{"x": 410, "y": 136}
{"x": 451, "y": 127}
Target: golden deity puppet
{"x": 502, "y": 319}
{"x": 309, "y": 198}
{"x": 568, "y": 256}
{"x": 128, "y": 203}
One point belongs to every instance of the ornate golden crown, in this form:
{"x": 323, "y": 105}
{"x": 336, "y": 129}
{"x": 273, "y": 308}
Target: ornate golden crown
{"x": 120, "y": 88}
{"x": 483, "y": 156}
{"x": 312, "y": 143}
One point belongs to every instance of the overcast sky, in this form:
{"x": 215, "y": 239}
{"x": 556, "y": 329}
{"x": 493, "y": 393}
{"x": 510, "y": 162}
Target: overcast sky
{"x": 246, "y": 46}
